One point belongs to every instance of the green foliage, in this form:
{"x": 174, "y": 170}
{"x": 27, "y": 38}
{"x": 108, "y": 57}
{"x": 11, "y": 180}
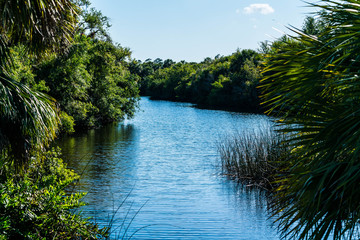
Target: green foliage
{"x": 91, "y": 82}
{"x": 93, "y": 86}
{"x": 67, "y": 123}
{"x": 21, "y": 70}
{"x": 51, "y": 26}
{"x": 93, "y": 23}
{"x": 312, "y": 84}
{"x": 113, "y": 91}
{"x": 313, "y": 26}
{"x": 36, "y": 206}
{"x": 28, "y": 119}
{"x": 224, "y": 82}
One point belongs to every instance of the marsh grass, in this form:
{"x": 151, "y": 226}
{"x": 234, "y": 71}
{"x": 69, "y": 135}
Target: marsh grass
{"x": 254, "y": 157}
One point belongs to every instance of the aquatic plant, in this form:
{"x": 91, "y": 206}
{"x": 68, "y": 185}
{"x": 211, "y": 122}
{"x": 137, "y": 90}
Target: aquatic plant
{"x": 253, "y": 157}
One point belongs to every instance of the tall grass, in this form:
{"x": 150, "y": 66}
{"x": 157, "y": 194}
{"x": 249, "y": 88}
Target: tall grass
{"x": 254, "y": 157}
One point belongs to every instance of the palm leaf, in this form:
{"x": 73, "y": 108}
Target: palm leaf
{"x": 28, "y": 119}
{"x": 312, "y": 84}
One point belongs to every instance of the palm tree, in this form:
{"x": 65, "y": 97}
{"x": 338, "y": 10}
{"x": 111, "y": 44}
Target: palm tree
{"x": 313, "y": 85}
{"x": 29, "y": 119}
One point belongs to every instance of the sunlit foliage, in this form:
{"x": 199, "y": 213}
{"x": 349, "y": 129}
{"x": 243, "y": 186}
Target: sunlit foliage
{"x": 223, "y": 82}
{"x": 91, "y": 82}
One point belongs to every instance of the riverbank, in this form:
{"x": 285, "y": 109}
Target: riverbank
{"x": 257, "y": 110}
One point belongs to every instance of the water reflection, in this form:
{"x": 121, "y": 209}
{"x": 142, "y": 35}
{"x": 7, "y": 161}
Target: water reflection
{"x": 165, "y": 157}
{"x": 99, "y": 156}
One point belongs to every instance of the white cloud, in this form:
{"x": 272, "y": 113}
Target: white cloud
{"x": 262, "y": 8}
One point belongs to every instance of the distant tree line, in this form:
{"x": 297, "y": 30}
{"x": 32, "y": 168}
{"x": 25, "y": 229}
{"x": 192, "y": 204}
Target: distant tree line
{"x": 227, "y": 82}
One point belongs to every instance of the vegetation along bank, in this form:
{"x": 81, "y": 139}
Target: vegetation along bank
{"x": 59, "y": 73}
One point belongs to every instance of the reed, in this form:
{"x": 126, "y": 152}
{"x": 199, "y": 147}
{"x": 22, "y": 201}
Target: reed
{"x": 254, "y": 157}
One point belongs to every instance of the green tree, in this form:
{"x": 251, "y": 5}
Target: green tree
{"x": 312, "y": 83}
{"x": 224, "y": 82}
{"x": 28, "y": 119}
{"x": 91, "y": 82}
{"x": 312, "y": 26}
{"x": 68, "y": 80}
{"x": 94, "y": 24}
{"x": 113, "y": 91}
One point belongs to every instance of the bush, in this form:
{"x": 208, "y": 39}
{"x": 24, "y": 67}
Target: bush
{"x": 67, "y": 123}
{"x": 36, "y": 205}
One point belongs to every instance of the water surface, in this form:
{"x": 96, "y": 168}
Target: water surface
{"x": 161, "y": 169}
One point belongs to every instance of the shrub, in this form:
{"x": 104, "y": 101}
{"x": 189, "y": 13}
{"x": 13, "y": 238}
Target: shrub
{"x": 67, "y": 123}
{"x": 36, "y": 205}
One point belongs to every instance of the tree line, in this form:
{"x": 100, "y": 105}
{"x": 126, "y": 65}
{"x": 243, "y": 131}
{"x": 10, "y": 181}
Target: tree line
{"x": 226, "y": 82}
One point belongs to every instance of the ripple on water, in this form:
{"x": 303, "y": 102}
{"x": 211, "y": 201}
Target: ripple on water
{"x": 165, "y": 158}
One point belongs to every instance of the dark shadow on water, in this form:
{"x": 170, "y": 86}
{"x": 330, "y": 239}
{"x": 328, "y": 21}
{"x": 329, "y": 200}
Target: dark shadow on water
{"x": 99, "y": 154}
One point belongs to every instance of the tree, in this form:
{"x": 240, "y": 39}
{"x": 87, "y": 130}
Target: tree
{"x": 224, "y": 82}
{"x": 313, "y": 84}
{"x": 313, "y": 26}
{"x": 28, "y": 119}
{"x": 94, "y": 24}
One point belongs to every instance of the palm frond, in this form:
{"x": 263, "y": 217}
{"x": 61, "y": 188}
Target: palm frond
{"x": 28, "y": 120}
{"x": 313, "y": 85}
{"x": 38, "y": 24}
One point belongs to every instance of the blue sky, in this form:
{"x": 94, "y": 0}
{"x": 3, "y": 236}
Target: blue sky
{"x": 192, "y": 30}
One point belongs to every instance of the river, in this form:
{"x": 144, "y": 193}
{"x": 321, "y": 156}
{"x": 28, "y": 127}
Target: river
{"x": 157, "y": 176}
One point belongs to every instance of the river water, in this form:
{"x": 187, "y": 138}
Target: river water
{"x": 157, "y": 176}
